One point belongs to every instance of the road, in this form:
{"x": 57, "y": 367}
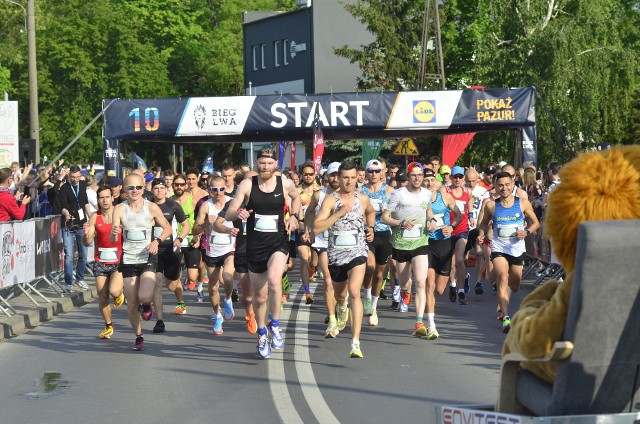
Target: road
{"x": 188, "y": 375}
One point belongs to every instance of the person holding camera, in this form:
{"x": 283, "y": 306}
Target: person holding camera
{"x": 75, "y": 210}
{"x": 9, "y": 208}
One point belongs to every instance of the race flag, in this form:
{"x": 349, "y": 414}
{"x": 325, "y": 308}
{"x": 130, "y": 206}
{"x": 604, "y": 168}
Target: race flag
{"x": 318, "y": 146}
{"x": 282, "y": 147}
{"x": 293, "y": 155}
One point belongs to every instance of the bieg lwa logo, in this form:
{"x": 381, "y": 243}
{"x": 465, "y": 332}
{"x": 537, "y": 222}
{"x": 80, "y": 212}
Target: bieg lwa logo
{"x": 199, "y": 114}
{"x": 424, "y": 111}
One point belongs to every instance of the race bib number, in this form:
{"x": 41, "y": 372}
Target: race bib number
{"x": 185, "y": 242}
{"x": 345, "y": 239}
{"x": 325, "y": 234}
{"x": 135, "y": 234}
{"x": 507, "y": 231}
{"x": 303, "y": 210}
{"x": 266, "y": 223}
{"x": 439, "y": 220}
{"x": 220, "y": 239}
{"x": 377, "y": 204}
{"x": 108, "y": 254}
{"x": 461, "y": 204}
{"x": 156, "y": 232}
{"x": 414, "y": 233}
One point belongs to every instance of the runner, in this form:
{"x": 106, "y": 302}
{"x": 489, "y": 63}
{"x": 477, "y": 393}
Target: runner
{"x": 219, "y": 255}
{"x": 267, "y": 241}
{"x": 306, "y": 189}
{"x": 507, "y": 246}
{"x": 190, "y": 244}
{"x": 107, "y": 257}
{"x": 134, "y": 219}
{"x": 344, "y": 213}
{"x": 169, "y": 254}
{"x": 460, "y": 234}
{"x": 478, "y": 196}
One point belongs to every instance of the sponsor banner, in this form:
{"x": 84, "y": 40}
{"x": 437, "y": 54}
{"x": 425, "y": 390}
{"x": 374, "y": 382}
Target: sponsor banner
{"x": 111, "y": 157}
{"x": 499, "y": 108}
{"x": 424, "y": 110}
{"x": 9, "y": 134}
{"x": 318, "y": 148}
{"x": 24, "y": 249}
{"x": 293, "y": 155}
{"x": 455, "y": 415}
{"x": 215, "y": 116}
{"x": 6, "y": 270}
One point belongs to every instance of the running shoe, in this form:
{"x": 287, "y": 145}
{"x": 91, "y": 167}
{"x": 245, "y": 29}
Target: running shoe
{"x": 467, "y": 287}
{"x": 479, "y": 289}
{"x": 383, "y": 295}
{"x": 276, "y": 338}
{"x": 432, "y": 333}
{"x": 453, "y": 296}
{"x": 234, "y": 296}
{"x": 217, "y": 324}
{"x": 355, "y": 350}
{"x": 395, "y": 306}
{"x": 404, "y": 308}
{"x": 326, "y": 319}
{"x": 185, "y": 286}
{"x": 139, "y": 344}
{"x": 367, "y": 307}
{"x": 342, "y": 313}
{"x": 228, "y": 311}
{"x": 264, "y": 349}
{"x": 500, "y": 316}
{"x": 68, "y": 289}
{"x": 191, "y": 285}
{"x": 118, "y": 301}
{"x": 506, "y": 324}
{"x": 180, "y": 309}
{"x": 494, "y": 286}
{"x": 406, "y": 296}
{"x": 159, "y": 327}
{"x": 396, "y": 293}
{"x": 107, "y": 332}
{"x": 419, "y": 330}
{"x": 462, "y": 298}
{"x": 200, "y": 297}
{"x": 309, "y": 300}
{"x": 373, "y": 319}
{"x": 332, "y": 330}
{"x": 147, "y": 312}
{"x": 251, "y": 324}
{"x": 286, "y": 284}
{"x": 82, "y": 285}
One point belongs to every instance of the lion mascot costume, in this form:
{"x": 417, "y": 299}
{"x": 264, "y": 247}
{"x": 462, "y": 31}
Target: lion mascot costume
{"x": 594, "y": 186}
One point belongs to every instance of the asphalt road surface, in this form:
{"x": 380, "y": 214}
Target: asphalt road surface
{"x": 60, "y": 372}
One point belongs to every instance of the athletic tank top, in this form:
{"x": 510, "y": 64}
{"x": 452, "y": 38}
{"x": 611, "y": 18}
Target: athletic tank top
{"x": 106, "y": 252}
{"x": 189, "y": 211}
{"x": 442, "y": 216}
{"x": 265, "y": 225}
{"x": 378, "y": 199}
{"x": 461, "y": 203}
{"x": 406, "y": 205}
{"x": 506, "y": 221}
{"x": 136, "y": 234}
{"x": 320, "y": 241}
{"x": 219, "y": 244}
{"x": 347, "y": 240}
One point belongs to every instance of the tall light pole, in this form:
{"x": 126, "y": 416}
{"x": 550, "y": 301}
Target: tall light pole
{"x": 34, "y": 121}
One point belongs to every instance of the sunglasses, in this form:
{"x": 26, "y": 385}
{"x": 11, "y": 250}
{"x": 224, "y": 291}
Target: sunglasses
{"x": 216, "y": 189}
{"x": 180, "y": 184}
{"x": 459, "y": 177}
{"x": 130, "y": 188}
{"x": 309, "y": 174}
{"x": 374, "y": 171}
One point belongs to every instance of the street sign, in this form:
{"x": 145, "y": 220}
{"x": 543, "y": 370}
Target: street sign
{"x": 406, "y": 147}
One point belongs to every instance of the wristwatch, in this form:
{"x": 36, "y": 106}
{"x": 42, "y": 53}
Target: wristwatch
{"x": 158, "y": 240}
{"x": 179, "y": 238}
{"x": 295, "y": 215}
{"x": 528, "y": 232}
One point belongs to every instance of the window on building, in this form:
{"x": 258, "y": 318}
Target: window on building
{"x": 264, "y": 64}
{"x": 254, "y": 50}
{"x": 276, "y": 53}
{"x": 285, "y": 52}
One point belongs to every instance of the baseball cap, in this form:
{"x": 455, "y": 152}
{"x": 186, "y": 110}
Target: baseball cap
{"x": 114, "y": 181}
{"x": 457, "y": 170}
{"x": 428, "y": 172}
{"x": 322, "y": 171}
{"x": 490, "y": 168}
{"x": 411, "y": 167}
{"x": 373, "y": 163}
{"x": 111, "y": 173}
{"x": 148, "y": 177}
{"x": 333, "y": 167}
{"x": 603, "y": 146}
{"x": 158, "y": 181}
{"x": 444, "y": 169}
{"x": 99, "y": 177}
{"x": 84, "y": 172}
{"x": 401, "y": 176}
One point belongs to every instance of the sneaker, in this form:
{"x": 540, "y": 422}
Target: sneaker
{"x": 147, "y": 312}
{"x": 332, "y": 330}
{"x": 264, "y": 349}
{"x": 139, "y": 344}
{"x": 467, "y": 287}
{"x": 406, "y": 296}
{"x": 286, "y": 284}
{"x": 118, "y": 301}
{"x": 159, "y": 327}
{"x": 404, "y": 308}
{"x": 107, "y": 332}
{"x": 479, "y": 289}
{"x": 419, "y": 330}
{"x": 180, "y": 309}
{"x": 68, "y": 289}
{"x": 367, "y": 307}
{"x": 494, "y": 286}
{"x": 462, "y": 298}
{"x": 185, "y": 286}
{"x": 276, "y": 338}
{"x": 506, "y": 324}
{"x": 342, "y": 316}
{"x": 453, "y": 295}
{"x": 373, "y": 319}
{"x": 395, "y": 306}
{"x": 191, "y": 285}
{"x": 432, "y": 333}
{"x": 234, "y": 296}
{"x": 228, "y": 311}
{"x": 82, "y": 285}
{"x": 309, "y": 300}
{"x": 383, "y": 296}
{"x": 251, "y": 324}
{"x": 500, "y": 316}
{"x": 326, "y": 319}
{"x": 355, "y": 350}
{"x": 396, "y": 293}
{"x": 217, "y": 324}
{"x": 200, "y": 297}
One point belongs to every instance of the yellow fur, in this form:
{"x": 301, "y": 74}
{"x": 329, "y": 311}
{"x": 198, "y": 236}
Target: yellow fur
{"x": 594, "y": 186}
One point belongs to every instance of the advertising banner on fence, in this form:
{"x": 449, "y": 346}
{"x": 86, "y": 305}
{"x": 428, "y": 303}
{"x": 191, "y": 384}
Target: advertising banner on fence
{"x": 8, "y": 133}
{"x": 48, "y": 245}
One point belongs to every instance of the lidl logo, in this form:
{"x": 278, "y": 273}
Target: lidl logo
{"x": 424, "y": 111}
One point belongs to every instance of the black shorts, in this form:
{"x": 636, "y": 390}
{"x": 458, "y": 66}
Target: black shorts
{"x": 293, "y": 249}
{"x": 340, "y": 273}
{"x": 403, "y": 256}
{"x": 512, "y": 260}
{"x": 191, "y": 257}
{"x": 454, "y": 239}
{"x": 300, "y": 242}
{"x": 381, "y": 247}
{"x": 169, "y": 263}
{"x": 258, "y": 264}
{"x": 471, "y": 241}
{"x": 320, "y": 250}
{"x": 104, "y": 270}
{"x": 440, "y": 254}
{"x": 216, "y": 261}
{"x": 240, "y": 263}
{"x": 136, "y": 270}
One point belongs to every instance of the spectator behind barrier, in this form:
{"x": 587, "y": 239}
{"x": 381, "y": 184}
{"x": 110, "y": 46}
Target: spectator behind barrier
{"x": 9, "y": 208}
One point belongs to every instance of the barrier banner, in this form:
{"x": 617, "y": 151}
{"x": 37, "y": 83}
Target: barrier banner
{"x": 18, "y": 253}
{"x": 6, "y": 270}
{"x": 48, "y": 245}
